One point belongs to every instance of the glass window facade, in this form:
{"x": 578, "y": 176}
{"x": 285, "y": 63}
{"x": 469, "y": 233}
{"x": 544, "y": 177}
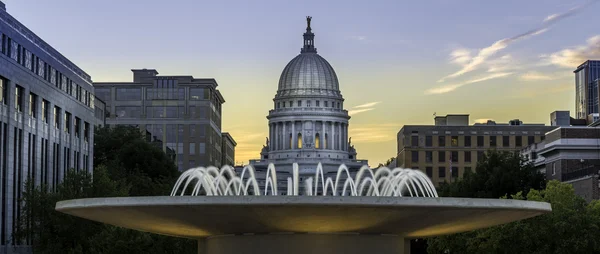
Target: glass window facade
{"x": 3, "y": 91}
{"x": 198, "y": 93}
{"x": 128, "y": 111}
{"x": 128, "y": 94}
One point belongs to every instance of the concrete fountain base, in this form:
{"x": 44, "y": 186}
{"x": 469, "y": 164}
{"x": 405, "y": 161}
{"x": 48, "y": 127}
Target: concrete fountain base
{"x": 302, "y": 224}
{"x": 304, "y": 243}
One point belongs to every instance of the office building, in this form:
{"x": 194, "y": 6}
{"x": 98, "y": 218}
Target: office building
{"x": 445, "y": 150}
{"x": 586, "y": 89}
{"x": 569, "y": 154}
{"x": 46, "y": 120}
{"x": 180, "y": 114}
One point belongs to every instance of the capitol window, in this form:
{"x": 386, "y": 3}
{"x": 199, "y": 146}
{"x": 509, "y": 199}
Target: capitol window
{"x": 299, "y": 103}
{"x": 308, "y": 103}
{"x": 317, "y": 103}
{"x": 299, "y": 140}
{"x": 326, "y": 104}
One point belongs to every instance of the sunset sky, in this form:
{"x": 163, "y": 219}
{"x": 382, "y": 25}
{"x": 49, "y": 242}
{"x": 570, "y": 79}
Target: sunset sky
{"x": 398, "y": 62}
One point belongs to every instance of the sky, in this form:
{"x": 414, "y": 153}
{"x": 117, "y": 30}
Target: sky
{"x": 398, "y": 62}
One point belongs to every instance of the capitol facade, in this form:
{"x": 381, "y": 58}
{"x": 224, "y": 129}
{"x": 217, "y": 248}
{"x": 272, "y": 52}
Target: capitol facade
{"x": 308, "y": 123}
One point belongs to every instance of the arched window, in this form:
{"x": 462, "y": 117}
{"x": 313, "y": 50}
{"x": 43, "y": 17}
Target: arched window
{"x": 325, "y": 143}
{"x": 299, "y": 140}
{"x": 317, "y": 141}
{"x": 291, "y": 141}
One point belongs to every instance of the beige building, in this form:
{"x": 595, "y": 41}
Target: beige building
{"x": 446, "y": 150}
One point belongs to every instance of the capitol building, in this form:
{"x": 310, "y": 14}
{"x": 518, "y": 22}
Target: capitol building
{"x": 308, "y": 123}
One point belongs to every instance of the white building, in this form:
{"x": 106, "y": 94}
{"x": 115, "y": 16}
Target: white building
{"x": 308, "y": 124}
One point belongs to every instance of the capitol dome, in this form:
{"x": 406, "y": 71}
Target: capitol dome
{"x": 308, "y": 74}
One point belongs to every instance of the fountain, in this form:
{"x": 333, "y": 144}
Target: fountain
{"x": 367, "y": 211}
{"x": 382, "y": 183}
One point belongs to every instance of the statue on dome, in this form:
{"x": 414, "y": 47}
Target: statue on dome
{"x": 308, "y": 18}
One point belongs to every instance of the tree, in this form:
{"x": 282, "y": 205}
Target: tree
{"x": 498, "y": 173}
{"x": 125, "y": 164}
{"x": 572, "y": 227}
{"x": 54, "y": 232}
{"x": 131, "y": 159}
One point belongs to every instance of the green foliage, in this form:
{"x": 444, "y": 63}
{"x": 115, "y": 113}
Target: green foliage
{"x": 143, "y": 166}
{"x": 499, "y": 173}
{"x": 125, "y": 164}
{"x": 572, "y": 227}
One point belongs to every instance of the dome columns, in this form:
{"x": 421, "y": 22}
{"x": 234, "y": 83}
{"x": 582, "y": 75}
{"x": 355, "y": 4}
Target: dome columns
{"x": 308, "y": 134}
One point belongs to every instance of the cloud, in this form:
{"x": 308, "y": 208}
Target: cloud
{"x": 473, "y": 63}
{"x": 452, "y": 87}
{"x": 536, "y": 92}
{"x": 358, "y": 37}
{"x": 534, "y": 76}
{"x": 551, "y": 17}
{"x": 357, "y": 111}
{"x": 367, "y": 105}
{"x": 460, "y": 56}
{"x": 572, "y": 57}
{"x": 363, "y": 108}
{"x": 374, "y": 133}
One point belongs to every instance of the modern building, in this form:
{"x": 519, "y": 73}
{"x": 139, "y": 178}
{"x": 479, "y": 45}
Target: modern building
{"x": 99, "y": 112}
{"x": 308, "y": 124}
{"x": 228, "y": 149}
{"x": 46, "y": 120}
{"x": 181, "y": 114}
{"x": 570, "y": 154}
{"x": 586, "y": 89}
{"x": 445, "y": 150}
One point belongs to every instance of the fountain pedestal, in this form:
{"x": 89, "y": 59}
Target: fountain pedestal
{"x": 259, "y": 224}
{"x": 304, "y": 243}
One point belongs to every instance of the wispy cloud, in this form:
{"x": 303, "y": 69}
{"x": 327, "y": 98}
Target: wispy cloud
{"x": 471, "y": 63}
{"x": 534, "y": 76}
{"x": 452, "y": 87}
{"x": 572, "y": 57}
{"x": 367, "y": 105}
{"x": 532, "y": 92}
{"x": 357, "y": 111}
{"x": 363, "y": 108}
{"x": 373, "y": 133}
{"x": 358, "y": 37}
{"x": 541, "y": 76}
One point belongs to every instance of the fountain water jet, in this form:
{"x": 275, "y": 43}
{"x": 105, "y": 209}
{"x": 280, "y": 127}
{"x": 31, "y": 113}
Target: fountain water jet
{"x": 383, "y": 183}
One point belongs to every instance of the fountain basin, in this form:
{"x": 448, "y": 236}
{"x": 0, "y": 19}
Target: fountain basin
{"x": 297, "y": 220}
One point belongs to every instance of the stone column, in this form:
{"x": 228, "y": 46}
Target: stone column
{"x": 284, "y": 137}
{"x": 323, "y": 135}
{"x": 294, "y": 142}
{"x": 276, "y": 136}
{"x": 346, "y": 137}
{"x": 333, "y": 135}
{"x": 314, "y": 134}
{"x": 271, "y": 136}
